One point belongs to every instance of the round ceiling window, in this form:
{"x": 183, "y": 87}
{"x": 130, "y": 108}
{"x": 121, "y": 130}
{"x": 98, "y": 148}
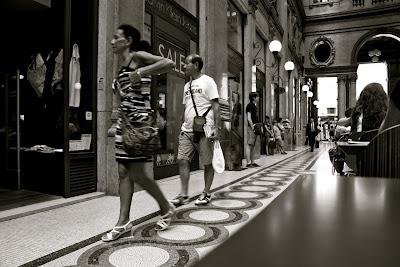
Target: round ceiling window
{"x": 322, "y": 52}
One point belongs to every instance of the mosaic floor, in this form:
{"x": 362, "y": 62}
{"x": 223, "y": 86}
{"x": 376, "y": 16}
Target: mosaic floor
{"x": 196, "y": 230}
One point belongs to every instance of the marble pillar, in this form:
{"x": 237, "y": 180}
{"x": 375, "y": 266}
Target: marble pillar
{"x": 249, "y": 39}
{"x": 352, "y": 90}
{"x": 341, "y": 100}
{"x": 112, "y": 13}
{"x": 213, "y": 42}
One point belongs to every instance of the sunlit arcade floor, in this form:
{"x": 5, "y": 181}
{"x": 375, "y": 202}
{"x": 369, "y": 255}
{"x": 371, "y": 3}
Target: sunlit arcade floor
{"x": 69, "y": 236}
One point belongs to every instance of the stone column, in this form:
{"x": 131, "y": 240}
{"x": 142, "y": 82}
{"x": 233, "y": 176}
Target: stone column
{"x": 341, "y": 100}
{"x": 107, "y": 175}
{"x": 290, "y": 96}
{"x": 213, "y": 41}
{"x": 249, "y": 38}
{"x": 352, "y": 90}
{"x": 111, "y": 14}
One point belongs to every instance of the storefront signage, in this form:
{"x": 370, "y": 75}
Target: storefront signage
{"x": 171, "y": 51}
{"x": 172, "y": 13}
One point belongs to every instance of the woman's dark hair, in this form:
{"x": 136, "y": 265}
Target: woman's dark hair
{"x": 252, "y": 96}
{"x": 373, "y": 104}
{"x": 137, "y": 44}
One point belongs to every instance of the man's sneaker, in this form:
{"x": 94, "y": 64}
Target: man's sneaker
{"x": 255, "y": 165}
{"x": 203, "y": 199}
{"x": 180, "y": 200}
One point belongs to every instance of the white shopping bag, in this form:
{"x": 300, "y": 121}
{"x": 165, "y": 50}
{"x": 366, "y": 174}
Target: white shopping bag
{"x": 218, "y": 161}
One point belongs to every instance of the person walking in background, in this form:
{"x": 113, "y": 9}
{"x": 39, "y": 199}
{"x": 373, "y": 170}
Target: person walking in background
{"x": 131, "y": 86}
{"x": 278, "y": 138}
{"x": 312, "y": 132}
{"x": 202, "y": 91}
{"x": 252, "y": 119}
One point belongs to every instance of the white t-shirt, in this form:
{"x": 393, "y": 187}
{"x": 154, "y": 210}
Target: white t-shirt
{"x": 204, "y": 90}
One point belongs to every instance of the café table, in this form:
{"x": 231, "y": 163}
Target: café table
{"x": 320, "y": 220}
{"x": 353, "y": 151}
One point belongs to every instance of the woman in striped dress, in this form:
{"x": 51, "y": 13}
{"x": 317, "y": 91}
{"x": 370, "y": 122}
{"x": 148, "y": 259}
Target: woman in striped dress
{"x": 133, "y": 87}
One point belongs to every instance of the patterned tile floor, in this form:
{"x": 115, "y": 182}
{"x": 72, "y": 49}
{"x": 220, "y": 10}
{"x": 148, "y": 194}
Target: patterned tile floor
{"x": 69, "y": 236}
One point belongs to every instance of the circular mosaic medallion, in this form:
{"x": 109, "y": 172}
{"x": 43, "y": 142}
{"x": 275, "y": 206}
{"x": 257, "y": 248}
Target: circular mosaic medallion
{"x": 133, "y": 252}
{"x": 254, "y": 188}
{"x": 272, "y": 179}
{"x": 139, "y": 256}
{"x": 242, "y": 195}
{"x": 279, "y": 174}
{"x": 263, "y": 183}
{"x": 234, "y": 204}
{"x": 229, "y": 203}
{"x": 182, "y": 233}
{"x": 209, "y": 215}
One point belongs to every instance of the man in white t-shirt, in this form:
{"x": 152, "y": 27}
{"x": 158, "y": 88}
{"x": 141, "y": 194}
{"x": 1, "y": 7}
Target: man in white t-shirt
{"x": 205, "y": 95}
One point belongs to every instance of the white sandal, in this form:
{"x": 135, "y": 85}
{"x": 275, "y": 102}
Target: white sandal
{"x": 117, "y": 231}
{"x": 165, "y": 220}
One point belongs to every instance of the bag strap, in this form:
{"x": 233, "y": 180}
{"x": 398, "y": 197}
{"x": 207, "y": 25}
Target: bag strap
{"x": 194, "y": 104}
{"x": 191, "y": 94}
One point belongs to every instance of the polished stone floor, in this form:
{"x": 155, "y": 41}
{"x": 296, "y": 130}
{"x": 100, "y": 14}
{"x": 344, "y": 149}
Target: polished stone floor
{"x": 70, "y": 235}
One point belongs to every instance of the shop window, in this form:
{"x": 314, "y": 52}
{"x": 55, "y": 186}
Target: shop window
{"x": 235, "y": 28}
{"x": 81, "y": 100}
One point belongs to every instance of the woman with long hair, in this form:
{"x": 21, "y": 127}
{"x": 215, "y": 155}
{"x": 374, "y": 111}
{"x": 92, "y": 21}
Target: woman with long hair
{"x": 133, "y": 88}
{"x": 370, "y": 109}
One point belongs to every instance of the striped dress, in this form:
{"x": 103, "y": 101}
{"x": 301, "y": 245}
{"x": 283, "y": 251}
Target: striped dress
{"x": 135, "y": 103}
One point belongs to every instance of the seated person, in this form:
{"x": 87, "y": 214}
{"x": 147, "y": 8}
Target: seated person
{"x": 393, "y": 115}
{"x": 341, "y": 129}
{"x": 370, "y": 109}
{"x": 367, "y": 115}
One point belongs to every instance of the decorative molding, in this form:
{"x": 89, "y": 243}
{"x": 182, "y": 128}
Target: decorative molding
{"x": 273, "y": 15}
{"x": 314, "y": 45}
{"x": 253, "y": 6}
{"x": 331, "y": 71}
{"x": 295, "y": 57}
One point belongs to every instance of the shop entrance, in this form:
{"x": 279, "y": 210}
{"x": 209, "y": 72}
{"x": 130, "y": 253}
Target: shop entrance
{"x": 174, "y": 41}
{"x": 48, "y": 140}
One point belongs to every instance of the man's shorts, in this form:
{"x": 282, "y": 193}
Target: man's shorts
{"x": 187, "y": 148}
{"x": 251, "y": 136}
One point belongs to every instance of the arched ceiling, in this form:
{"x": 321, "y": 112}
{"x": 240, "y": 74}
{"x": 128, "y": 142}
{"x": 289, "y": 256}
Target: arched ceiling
{"x": 389, "y": 47}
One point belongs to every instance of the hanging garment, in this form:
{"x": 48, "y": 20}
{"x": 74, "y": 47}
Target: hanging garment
{"x": 39, "y": 67}
{"x": 75, "y": 78}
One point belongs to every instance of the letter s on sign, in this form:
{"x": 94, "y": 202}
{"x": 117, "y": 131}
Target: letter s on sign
{"x": 160, "y": 49}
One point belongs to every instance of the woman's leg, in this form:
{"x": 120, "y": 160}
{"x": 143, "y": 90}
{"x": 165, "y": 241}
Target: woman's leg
{"x": 126, "y": 187}
{"x": 141, "y": 175}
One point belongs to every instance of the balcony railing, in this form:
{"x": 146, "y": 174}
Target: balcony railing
{"x": 373, "y": 2}
{"x": 358, "y": 2}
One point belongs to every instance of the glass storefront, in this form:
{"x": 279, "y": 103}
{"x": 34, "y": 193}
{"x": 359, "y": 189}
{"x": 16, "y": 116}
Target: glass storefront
{"x": 48, "y": 131}
{"x": 235, "y": 148}
{"x": 174, "y": 41}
